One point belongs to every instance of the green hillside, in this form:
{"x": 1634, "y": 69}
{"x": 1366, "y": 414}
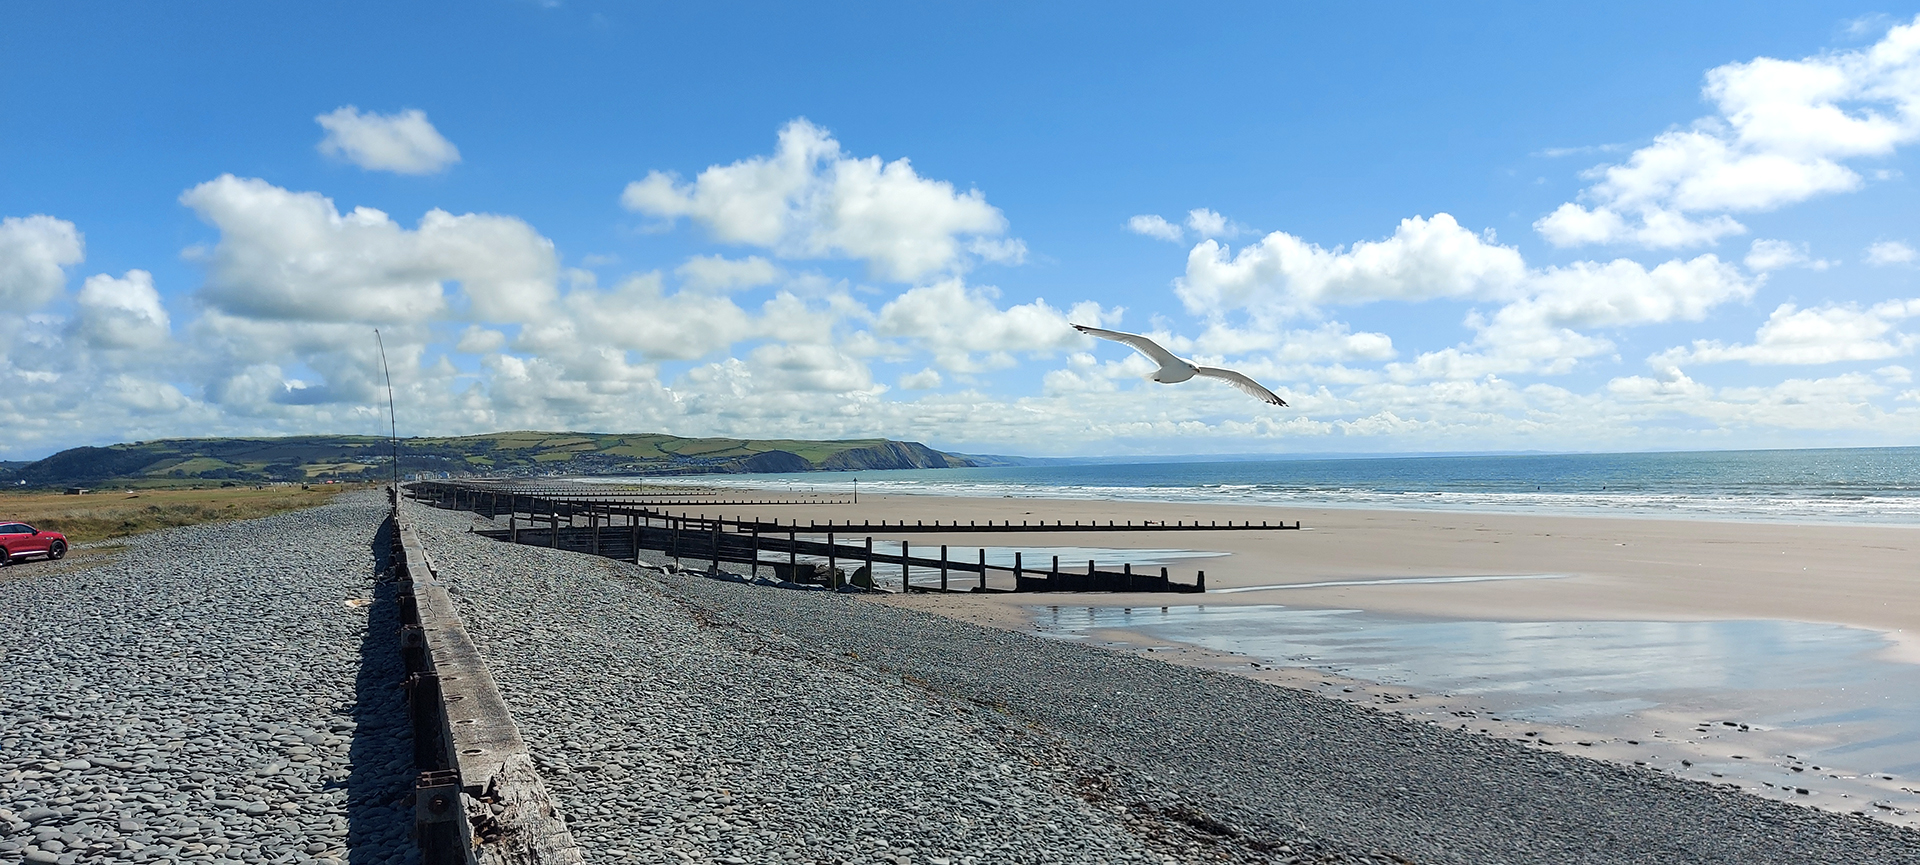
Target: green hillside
{"x": 177, "y": 462}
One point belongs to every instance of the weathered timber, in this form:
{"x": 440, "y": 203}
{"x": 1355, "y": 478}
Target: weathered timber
{"x": 504, "y": 814}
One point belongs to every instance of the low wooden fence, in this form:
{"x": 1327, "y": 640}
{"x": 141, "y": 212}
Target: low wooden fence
{"x": 620, "y": 526}
{"x": 719, "y": 541}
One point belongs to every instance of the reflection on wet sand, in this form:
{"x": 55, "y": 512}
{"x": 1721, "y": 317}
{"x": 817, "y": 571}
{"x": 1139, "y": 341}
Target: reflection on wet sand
{"x": 1793, "y": 710}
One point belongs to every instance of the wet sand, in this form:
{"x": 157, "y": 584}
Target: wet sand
{"x": 1608, "y": 569}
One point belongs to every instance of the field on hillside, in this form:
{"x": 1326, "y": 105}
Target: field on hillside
{"x": 107, "y": 514}
{"x": 174, "y": 463}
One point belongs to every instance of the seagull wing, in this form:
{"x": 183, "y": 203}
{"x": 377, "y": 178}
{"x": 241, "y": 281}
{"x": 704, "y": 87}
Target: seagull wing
{"x": 1138, "y": 343}
{"x": 1241, "y": 382}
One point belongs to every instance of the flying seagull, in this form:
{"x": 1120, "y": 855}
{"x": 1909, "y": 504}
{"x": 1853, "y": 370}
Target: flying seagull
{"x": 1174, "y": 370}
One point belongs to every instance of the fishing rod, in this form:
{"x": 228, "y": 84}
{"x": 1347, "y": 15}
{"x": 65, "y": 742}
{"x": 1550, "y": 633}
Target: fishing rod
{"x": 393, "y": 422}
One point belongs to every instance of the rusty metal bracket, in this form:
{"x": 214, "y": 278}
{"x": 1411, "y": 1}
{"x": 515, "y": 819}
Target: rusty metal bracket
{"x": 436, "y": 797}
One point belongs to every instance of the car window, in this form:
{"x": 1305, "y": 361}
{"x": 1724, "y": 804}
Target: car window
{"x": 14, "y": 529}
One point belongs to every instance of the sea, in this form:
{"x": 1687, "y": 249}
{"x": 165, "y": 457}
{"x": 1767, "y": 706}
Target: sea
{"x": 1839, "y": 485}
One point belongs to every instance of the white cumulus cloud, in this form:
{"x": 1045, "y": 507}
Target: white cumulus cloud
{"x": 1208, "y": 223}
{"x": 122, "y": 312}
{"x": 1768, "y": 255}
{"x": 1283, "y": 275}
{"x": 34, "y": 254}
{"x": 403, "y": 142}
{"x": 1827, "y": 334}
{"x": 926, "y": 379}
{"x": 967, "y": 332}
{"x": 292, "y": 255}
{"x": 1156, "y": 226}
{"x": 719, "y": 273}
{"x": 811, "y": 200}
{"x": 1783, "y": 133}
{"x": 1890, "y": 252}
{"x": 1544, "y": 332}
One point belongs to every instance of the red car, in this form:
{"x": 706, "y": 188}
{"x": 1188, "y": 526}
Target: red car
{"x": 19, "y": 540}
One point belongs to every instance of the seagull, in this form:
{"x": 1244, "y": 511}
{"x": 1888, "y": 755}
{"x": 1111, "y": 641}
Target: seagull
{"x": 1174, "y": 370}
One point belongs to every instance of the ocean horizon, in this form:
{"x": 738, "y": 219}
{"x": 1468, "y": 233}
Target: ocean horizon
{"x": 1878, "y": 486}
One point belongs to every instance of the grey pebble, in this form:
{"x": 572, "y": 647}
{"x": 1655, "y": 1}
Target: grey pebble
{"x": 842, "y": 729}
{"x": 153, "y": 687}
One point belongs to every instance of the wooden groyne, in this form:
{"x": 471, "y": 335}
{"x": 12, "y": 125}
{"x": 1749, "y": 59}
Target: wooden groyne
{"x": 622, "y": 528}
{"x": 477, "y": 799}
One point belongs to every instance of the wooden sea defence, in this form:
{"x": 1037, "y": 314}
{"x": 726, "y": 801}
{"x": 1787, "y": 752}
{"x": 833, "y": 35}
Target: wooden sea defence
{"x": 478, "y": 799}
{"x": 621, "y": 527}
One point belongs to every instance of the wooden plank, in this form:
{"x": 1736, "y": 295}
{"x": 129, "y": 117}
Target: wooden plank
{"x": 483, "y": 744}
{"x": 528, "y": 831}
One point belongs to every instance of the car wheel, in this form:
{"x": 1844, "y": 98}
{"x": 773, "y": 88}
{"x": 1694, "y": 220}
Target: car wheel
{"x": 5, "y": 558}
{"x": 56, "y": 549}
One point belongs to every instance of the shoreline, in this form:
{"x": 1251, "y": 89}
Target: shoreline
{"x": 1480, "y": 567}
{"x": 1615, "y": 568}
{"x": 1144, "y": 495}
{"x": 1657, "y": 739}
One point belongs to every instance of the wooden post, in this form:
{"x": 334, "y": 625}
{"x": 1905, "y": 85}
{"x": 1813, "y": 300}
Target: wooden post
{"x": 1017, "y": 570}
{"x": 869, "y": 558}
{"x": 833, "y": 563}
{"x": 513, "y": 528}
{"x": 556, "y": 529}
{"x": 673, "y": 526}
{"x": 634, "y": 529}
{"x": 756, "y": 551}
{"x": 716, "y": 543}
{"x": 943, "y": 567}
{"x": 1201, "y": 583}
{"x": 983, "y": 569}
{"x": 905, "y": 581}
{"x": 593, "y": 524}
{"x": 1053, "y": 576}
{"x": 793, "y": 553}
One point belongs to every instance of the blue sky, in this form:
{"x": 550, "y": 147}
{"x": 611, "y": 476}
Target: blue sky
{"x": 1430, "y": 229}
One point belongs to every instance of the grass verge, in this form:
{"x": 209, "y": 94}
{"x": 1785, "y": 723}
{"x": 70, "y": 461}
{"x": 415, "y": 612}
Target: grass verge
{"x": 104, "y": 515}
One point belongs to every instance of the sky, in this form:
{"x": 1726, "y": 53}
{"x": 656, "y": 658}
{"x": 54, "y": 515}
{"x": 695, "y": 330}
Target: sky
{"x": 1504, "y": 227}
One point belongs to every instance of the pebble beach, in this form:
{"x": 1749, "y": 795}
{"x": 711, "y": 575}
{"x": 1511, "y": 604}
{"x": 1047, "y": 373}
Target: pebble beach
{"x": 230, "y": 694}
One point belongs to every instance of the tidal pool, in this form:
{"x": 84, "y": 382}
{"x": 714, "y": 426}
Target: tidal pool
{"x": 1814, "y": 693}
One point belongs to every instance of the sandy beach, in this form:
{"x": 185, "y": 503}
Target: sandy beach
{"x": 1486, "y": 567}
{"x": 1626, "y": 568}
